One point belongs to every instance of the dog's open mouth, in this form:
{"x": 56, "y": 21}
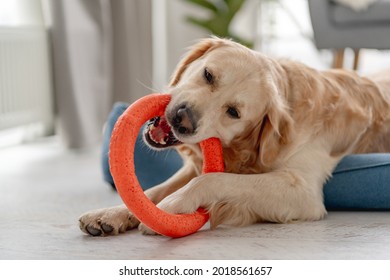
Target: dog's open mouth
{"x": 158, "y": 134}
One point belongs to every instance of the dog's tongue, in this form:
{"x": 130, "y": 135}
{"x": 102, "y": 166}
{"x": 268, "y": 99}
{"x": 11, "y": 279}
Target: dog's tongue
{"x": 159, "y": 130}
{"x": 159, "y": 133}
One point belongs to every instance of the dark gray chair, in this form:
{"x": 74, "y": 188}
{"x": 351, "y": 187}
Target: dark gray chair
{"x": 338, "y": 27}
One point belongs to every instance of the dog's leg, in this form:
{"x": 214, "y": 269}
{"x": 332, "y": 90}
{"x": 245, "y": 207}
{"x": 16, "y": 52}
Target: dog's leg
{"x": 284, "y": 195}
{"x": 236, "y": 199}
{"x": 114, "y": 220}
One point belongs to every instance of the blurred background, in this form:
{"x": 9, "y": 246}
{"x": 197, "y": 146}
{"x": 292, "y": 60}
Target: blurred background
{"x": 63, "y": 64}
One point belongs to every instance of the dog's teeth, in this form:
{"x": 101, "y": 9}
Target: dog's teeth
{"x": 162, "y": 142}
{"x": 151, "y": 127}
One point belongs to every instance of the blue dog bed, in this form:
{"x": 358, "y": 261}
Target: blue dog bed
{"x": 359, "y": 182}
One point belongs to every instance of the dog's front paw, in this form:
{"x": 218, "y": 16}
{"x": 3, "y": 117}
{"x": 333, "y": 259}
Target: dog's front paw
{"x": 185, "y": 200}
{"x": 170, "y": 204}
{"x": 145, "y": 230}
{"x": 108, "y": 221}
{"x": 180, "y": 202}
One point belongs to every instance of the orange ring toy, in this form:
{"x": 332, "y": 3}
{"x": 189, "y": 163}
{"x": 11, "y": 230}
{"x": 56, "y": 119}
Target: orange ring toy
{"x": 121, "y": 159}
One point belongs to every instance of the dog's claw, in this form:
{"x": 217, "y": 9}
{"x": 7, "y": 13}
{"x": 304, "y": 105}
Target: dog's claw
{"x": 107, "y": 228}
{"x": 93, "y": 231}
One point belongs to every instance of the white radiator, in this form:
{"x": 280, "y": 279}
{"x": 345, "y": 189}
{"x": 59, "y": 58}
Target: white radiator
{"x": 25, "y": 78}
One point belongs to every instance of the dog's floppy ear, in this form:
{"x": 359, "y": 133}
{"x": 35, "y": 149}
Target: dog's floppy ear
{"x": 197, "y": 51}
{"x": 276, "y": 128}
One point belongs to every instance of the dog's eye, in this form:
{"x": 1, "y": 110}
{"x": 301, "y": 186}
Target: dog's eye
{"x": 233, "y": 113}
{"x": 208, "y": 76}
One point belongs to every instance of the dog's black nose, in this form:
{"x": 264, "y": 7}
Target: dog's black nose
{"x": 183, "y": 120}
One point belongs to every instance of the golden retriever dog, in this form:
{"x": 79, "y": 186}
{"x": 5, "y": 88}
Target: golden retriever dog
{"x": 283, "y": 125}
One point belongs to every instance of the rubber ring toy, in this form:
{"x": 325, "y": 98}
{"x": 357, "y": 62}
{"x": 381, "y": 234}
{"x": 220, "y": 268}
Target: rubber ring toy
{"x": 121, "y": 160}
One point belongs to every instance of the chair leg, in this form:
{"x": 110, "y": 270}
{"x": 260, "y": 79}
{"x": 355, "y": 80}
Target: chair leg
{"x": 338, "y": 60}
{"x": 356, "y": 59}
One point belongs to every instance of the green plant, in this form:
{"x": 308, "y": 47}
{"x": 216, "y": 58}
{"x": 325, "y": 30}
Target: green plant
{"x": 218, "y": 23}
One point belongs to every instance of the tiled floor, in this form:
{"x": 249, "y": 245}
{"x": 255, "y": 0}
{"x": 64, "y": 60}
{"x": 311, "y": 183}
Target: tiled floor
{"x": 45, "y": 188}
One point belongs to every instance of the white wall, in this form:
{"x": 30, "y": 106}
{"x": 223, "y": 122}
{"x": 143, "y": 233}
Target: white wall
{"x": 26, "y": 98}
{"x": 172, "y": 35}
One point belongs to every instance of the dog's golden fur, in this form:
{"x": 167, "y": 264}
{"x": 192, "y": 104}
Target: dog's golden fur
{"x": 295, "y": 125}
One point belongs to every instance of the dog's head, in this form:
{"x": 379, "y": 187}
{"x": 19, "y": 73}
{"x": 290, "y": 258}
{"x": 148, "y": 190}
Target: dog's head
{"x": 223, "y": 89}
